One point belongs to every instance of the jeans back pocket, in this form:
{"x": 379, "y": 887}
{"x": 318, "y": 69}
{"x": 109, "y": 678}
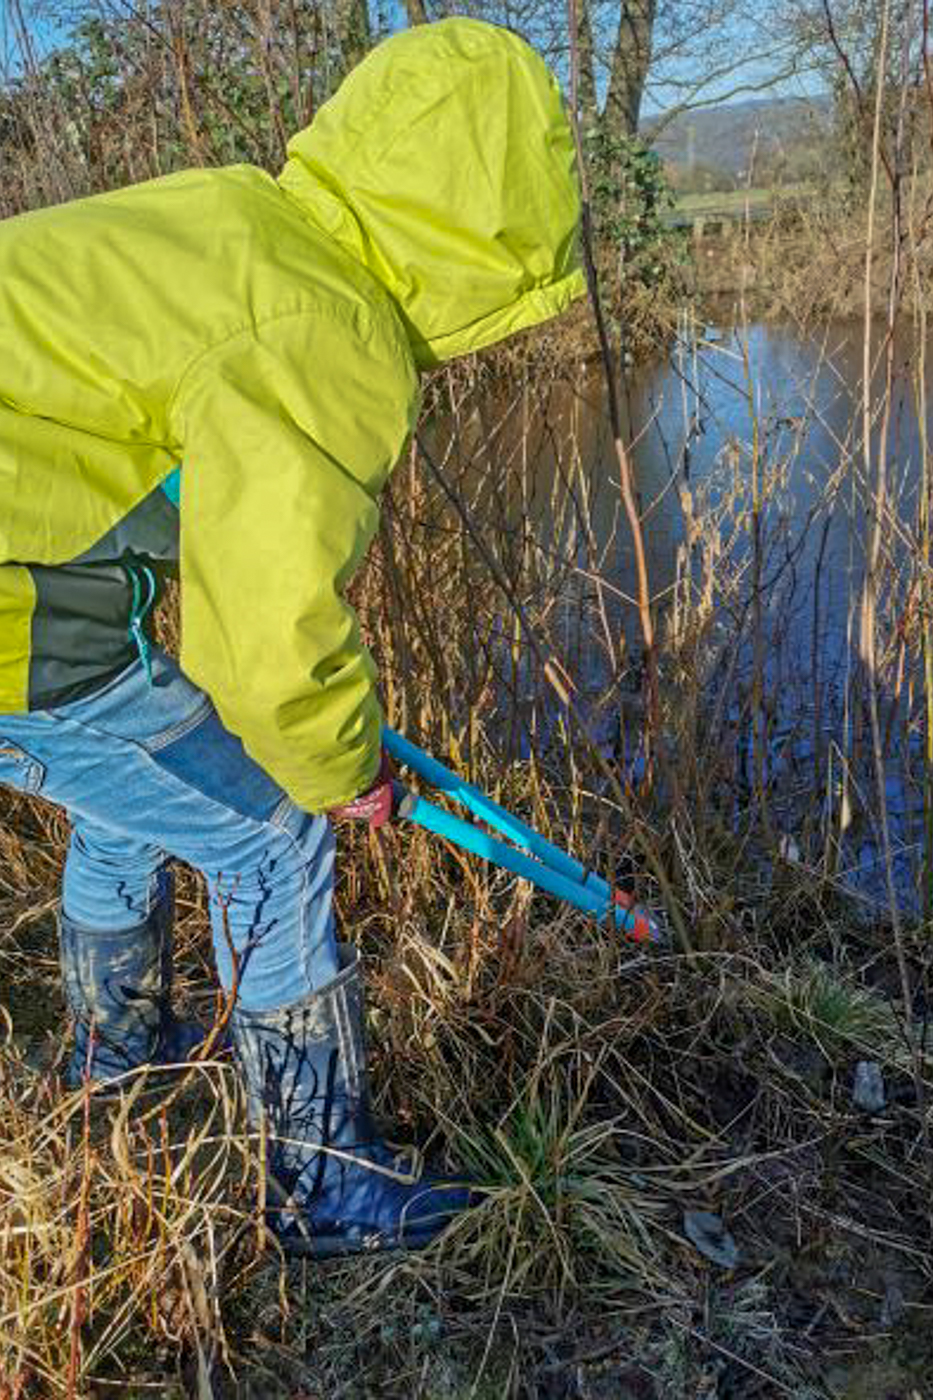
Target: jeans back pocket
{"x": 19, "y": 769}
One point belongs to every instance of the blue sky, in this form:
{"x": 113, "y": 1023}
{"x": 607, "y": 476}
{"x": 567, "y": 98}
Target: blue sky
{"x": 661, "y": 94}
{"x": 43, "y": 34}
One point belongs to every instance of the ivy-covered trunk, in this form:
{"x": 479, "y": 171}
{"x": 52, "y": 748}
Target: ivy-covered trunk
{"x": 629, "y": 197}
{"x": 354, "y": 31}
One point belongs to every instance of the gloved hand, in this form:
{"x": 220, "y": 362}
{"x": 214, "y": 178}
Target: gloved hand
{"x": 375, "y": 804}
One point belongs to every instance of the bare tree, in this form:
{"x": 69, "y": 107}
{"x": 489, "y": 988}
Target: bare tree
{"x": 868, "y": 56}
{"x": 675, "y": 54}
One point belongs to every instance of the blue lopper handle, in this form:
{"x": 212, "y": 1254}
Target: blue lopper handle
{"x": 545, "y": 864}
{"x": 473, "y": 838}
{"x": 404, "y": 751}
{"x": 490, "y": 812}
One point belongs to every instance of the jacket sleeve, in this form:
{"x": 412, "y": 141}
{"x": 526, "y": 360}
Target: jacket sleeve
{"x": 288, "y": 434}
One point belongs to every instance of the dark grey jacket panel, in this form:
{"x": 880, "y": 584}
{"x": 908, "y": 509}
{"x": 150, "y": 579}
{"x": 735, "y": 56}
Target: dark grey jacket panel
{"x": 80, "y": 630}
{"x": 81, "y": 622}
{"x": 149, "y": 533}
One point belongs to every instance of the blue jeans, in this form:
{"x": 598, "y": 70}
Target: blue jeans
{"x": 147, "y": 772}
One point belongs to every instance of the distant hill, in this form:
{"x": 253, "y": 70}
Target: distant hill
{"x": 724, "y": 138}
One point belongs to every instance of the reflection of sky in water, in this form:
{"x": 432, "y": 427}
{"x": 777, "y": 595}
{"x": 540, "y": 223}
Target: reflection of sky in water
{"x": 806, "y": 397}
{"x": 809, "y": 430}
{"x": 694, "y": 415}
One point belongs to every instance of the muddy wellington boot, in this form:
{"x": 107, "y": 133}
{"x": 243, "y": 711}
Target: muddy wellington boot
{"x": 118, "y": 987}
{"x": 333, "y": 1185}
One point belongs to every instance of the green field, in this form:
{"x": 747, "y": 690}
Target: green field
{"x": 735, "y": 201}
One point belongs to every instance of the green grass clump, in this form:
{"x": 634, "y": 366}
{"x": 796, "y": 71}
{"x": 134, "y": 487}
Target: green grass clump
{"x": 827, "y": 1007}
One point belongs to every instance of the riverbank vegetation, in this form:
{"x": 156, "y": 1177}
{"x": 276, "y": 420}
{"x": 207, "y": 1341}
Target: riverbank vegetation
{"x": 805, "y": 263}
{"x": 707, "y": 1167}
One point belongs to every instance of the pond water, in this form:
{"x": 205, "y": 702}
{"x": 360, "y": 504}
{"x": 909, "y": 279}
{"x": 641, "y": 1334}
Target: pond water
{"x": 722, "y": 411}
{"x": 692, "y": 422}
{"x": 769, "y": 401}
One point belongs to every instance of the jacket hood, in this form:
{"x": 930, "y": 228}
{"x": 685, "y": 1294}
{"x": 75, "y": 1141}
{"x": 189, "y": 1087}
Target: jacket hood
{"x": 445, "y": 163}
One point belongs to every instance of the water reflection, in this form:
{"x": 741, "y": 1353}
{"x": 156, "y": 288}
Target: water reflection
{"x": 730, "y": 434}
{"x": 793, "y": 409}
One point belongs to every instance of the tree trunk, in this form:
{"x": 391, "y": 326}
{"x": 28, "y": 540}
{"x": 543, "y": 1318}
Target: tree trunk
{"x": 416, "y": 12}
{"x": 630, "y": 63}
{"x": 353, "y": 31}
{"x": 586, "y": 80}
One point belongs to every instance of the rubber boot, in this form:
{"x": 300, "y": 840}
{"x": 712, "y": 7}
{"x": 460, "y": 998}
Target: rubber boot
{"x": 118, "y": 987}
{"x": 332, "y": 1186}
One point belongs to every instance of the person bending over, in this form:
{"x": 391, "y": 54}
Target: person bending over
{"x": 267, "y": 335}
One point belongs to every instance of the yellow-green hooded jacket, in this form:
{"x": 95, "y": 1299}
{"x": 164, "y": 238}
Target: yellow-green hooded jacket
{"x": 267, "y": 335}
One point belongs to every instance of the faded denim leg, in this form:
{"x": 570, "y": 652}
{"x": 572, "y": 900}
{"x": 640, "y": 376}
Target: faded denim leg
{"x": 147, "y": 771}
{"x": 111, "y": 880}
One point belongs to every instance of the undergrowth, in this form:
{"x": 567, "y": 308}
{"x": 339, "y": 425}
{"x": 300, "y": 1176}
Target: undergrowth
{"x": 596, "y": 1091}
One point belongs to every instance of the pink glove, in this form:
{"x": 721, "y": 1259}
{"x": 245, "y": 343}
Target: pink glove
{"x": 375, "y": 804}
